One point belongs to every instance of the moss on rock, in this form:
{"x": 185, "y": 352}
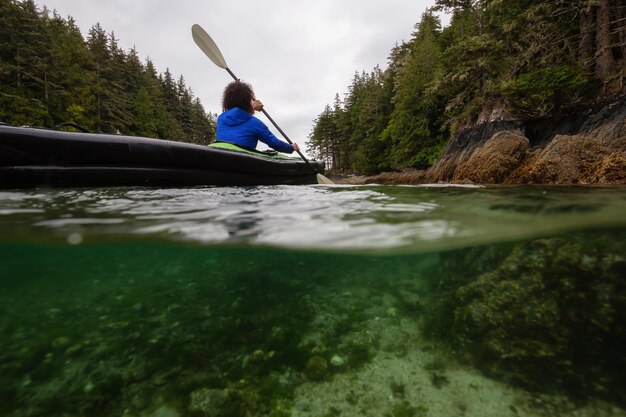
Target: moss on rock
{"x": 551, "y": 314}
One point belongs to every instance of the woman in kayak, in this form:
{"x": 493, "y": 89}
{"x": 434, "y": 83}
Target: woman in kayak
{"x": 237, "y": 124}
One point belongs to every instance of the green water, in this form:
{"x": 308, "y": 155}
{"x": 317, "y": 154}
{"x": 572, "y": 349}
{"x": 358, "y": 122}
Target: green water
{"x": 313, "y": 301}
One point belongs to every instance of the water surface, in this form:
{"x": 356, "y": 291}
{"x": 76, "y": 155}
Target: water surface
{"x": 406, "y": 218}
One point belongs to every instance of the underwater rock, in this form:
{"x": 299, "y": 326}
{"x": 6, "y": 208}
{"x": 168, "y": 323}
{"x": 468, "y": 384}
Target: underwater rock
{"x": 439, "y": 380}
{"x": 89, "y": 386}
{"x": 316, "y": 368}
{"x": 550, "y": 314}
{"x": 164, "y": 411}
{"x": 406, "y": 409}
{"x": 74, "y": 349}
{"x": 438, "y": 362}
{"x": 209, "y": 402}
{"x": 337, "y": 360}
{"x": 257, "y": 358}
{"x": 411, "y": 301}
{"x": 61, "y": 342}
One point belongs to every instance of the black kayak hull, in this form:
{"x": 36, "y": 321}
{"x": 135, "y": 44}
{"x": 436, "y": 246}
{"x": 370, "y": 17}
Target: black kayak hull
{"x": 31, "y": 157}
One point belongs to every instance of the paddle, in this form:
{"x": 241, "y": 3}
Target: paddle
{"x": 210, "y": 49}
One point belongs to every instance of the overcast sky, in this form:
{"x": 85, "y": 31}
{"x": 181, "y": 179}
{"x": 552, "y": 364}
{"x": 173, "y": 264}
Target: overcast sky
{"x": 295, "y": 54}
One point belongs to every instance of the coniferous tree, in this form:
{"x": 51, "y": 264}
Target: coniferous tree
{"x": 50, "y": 74}
{"x": 413, "y": 125}
{"x": 535, "y": 58}
{"x": 322, "y": 140}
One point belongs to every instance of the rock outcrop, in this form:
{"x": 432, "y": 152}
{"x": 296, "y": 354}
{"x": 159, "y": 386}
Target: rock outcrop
{"x": 518, "y": 318}
{"x": 587, "y": 149}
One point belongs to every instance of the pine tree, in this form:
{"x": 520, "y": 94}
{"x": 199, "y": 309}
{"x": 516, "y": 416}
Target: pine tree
{"x": 537, "y": 58}
{"x": 49, "y": 74}
{"x": 411, "y": 127}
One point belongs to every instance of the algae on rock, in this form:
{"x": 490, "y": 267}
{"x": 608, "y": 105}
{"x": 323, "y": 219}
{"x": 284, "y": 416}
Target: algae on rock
{"x": 550, "y": 315}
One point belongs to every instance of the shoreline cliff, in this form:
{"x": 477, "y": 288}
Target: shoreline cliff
{"x": 585, "y": 148}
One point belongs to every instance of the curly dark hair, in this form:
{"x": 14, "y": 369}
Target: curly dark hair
{"x": 238, "y": 94}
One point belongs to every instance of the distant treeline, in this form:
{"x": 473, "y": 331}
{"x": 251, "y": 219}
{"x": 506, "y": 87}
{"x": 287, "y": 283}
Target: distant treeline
{"x": 534, "y": 58}
{"x": 49, "y": 74}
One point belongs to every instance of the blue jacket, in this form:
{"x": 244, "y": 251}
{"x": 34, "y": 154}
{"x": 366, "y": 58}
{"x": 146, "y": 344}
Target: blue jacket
{"x": 241, "y": 128}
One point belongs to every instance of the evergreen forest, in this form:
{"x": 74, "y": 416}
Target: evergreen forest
{"x": 535, "y": 59}
{"x": 51, "y": 75}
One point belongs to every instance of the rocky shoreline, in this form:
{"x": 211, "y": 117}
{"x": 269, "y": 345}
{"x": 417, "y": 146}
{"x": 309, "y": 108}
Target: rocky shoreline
{"x": 579, "y": 149}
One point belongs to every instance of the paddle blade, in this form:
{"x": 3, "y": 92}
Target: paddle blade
{"x": 208, "y": 46}
{"x": 323, "y": 180}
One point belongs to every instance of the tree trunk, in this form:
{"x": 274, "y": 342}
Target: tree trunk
{"x": 18, "y": 69}
{"x": 587, "y": 31}
{"x": 45, "y": 89}
{"x": 621, "y": 29}
{"x": 604, "y": 62}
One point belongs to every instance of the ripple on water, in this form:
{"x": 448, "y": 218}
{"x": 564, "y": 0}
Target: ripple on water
{"x": 346, "y": 217}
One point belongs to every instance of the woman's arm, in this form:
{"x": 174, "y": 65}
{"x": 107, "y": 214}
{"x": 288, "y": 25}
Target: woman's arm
{"x": 268, "y": 138}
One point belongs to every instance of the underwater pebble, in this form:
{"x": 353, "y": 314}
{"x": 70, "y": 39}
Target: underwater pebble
{"x": 164, "y": 411}
{"x": 54, "y": 311}
{"x": 101, "y": 350}
{"x": 337, "y": 360}
{"x": 118, "y": 324}
{"x": 316, "y": 368}
{"x": 26, "y": 381}
{"x": 61, "y": 342}
{"x": 245, "y": 361}
{"x": 159, "y": 380}
{"x": 89, "y": 386}
{"x": 74, "y": 238}
{"x": 74, "y": 349}
{"x": 208, "y": 402}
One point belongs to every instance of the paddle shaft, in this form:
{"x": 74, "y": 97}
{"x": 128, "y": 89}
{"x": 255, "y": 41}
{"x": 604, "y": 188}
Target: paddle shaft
{"x": 232, "y": 74}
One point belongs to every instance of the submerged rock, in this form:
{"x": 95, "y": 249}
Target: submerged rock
{"x": 337, "y": 360}
{"x": 163, "y": 411}
{"x": 209, "y": 402}
{"x": 551, "y": 314}
{"x": 74, "y": 349}
{"x": 317, "y": 368}
{"x": 61, "y": 342}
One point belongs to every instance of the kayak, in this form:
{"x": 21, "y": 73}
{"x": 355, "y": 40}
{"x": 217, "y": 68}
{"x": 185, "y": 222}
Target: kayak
{"x": 37, "y": 157}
